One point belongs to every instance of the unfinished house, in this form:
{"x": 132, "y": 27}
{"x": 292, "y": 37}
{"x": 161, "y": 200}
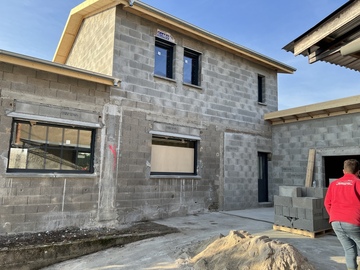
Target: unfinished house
{"x": 183, "y": 133}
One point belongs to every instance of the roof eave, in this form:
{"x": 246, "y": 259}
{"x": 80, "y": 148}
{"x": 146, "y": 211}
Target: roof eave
{"x": 317, "y": 110}
{"x": 90, "y": 7}
{"x": 48, "y": 66}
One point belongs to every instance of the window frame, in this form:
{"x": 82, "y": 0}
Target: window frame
{"x": 195, "y": 67}
{"x": 58, "y": 150}
{"x": 261, "y": 88}
{"x": 173, "y": 139}
{"x": 169, "y": 65}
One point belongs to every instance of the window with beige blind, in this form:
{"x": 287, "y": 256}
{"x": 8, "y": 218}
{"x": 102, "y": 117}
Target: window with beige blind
{"x": 173, "y": 156}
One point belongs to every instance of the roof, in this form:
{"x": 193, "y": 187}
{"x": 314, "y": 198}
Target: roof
{"x": 39, "y": 64}
{"x": 91, "y": 7}
{"x": 336, "y": 39}
{"x": 315, "y": 111}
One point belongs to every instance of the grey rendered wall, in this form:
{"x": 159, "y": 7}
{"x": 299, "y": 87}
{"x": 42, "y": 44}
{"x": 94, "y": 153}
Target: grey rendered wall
{"x": 332, "y": 136}
{"x": 38, "y": 202}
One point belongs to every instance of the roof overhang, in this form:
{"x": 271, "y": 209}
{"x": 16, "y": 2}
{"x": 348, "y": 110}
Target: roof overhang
{"x": 91, "y": 7}
{"x": 39, "y": 64}
{"x": 328, "y": 40}
{"x": 315, "y": 111}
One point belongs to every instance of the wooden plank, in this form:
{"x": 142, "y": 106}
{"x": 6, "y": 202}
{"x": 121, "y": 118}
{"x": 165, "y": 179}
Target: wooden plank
{"x": 310, "y": 168}
{"x": 302, "y": 232}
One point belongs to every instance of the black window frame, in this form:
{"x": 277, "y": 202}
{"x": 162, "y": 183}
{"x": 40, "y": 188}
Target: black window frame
{"x": 261, "y": 88}
{"x": 195, "y": 58}
{"x": 175, "y": 141}
{"x": 169, "y": 65}
{"x": 47, "y": 151}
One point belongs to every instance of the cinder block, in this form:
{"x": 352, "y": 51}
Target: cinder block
{"x": 286, "y": 211}
{"x": 320, "y": 192}
{"x": 293, "y": 212}
{"x": 317, "y": 192}
{"x": 278, "y": 210}
{"x": 290, "y": 191}
{"x": 301, "y": 213}
{"x": 310, "y": 192}
{"x": 325, "y": 214}
{"x": 283, "y": 221}
{"x": 282, "y": 200}
{"x": 308, "y": 202}
{"x": 312, "y": 225}
{"x": 313, "y": 214}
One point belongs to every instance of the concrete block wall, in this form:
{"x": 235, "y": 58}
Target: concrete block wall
{"x": 301, "y": 208}
{"x": 241, "y": 169}
{"x": 94, "y": 45}
{"x": 142, "y": 196}
{"x": 332, "y": 136}
{"x": 226, "y": 98}
{"x": 40, "y": 202}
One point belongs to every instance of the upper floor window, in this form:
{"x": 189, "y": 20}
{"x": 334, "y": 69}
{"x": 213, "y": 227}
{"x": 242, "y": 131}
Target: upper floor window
{"x": 164, "y": 55}
{"x": 261, "y": 88}
{"x": 191, "y": 67}
{"x": 43, "y": 147}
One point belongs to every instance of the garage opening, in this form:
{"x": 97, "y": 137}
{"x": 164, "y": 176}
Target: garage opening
{"x": 334, "y": 167}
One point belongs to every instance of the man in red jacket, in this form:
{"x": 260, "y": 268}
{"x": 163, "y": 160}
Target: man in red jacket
{"x": 342, "y": 202}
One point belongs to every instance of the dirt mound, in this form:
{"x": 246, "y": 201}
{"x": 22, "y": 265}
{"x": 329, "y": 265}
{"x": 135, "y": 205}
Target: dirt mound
{"x": 241, "y": 250}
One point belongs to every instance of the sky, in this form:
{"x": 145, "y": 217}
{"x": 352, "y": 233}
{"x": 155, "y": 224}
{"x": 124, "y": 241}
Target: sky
{"x": 34, "y": 28}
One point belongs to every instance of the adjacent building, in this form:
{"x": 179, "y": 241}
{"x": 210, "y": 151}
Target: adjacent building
{"x": 325, "y": 133}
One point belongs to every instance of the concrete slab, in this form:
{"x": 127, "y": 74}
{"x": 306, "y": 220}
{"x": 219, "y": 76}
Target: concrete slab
{"x": 324, "y": 252}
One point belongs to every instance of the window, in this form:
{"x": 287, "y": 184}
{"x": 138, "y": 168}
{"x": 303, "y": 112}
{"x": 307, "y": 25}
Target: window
{"x": 173, "y": 156}
{"x": 164, "y": 53}
{"x": 261, "y": 89}
{"x": 191, "y": 67}
{"x": 42, "y": 147}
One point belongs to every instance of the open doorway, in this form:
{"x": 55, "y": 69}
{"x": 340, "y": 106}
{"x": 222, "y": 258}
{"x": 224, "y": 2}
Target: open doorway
{"x": 263, "y": 177}
{"x": 334, "y": 167}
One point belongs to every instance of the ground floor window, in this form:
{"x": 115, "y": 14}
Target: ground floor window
{"x": 172, "y": 155}
{"x": 43, "y": 147}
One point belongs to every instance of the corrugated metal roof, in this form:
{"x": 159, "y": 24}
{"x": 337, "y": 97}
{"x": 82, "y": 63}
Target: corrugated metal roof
{"x": 325, "y": 40}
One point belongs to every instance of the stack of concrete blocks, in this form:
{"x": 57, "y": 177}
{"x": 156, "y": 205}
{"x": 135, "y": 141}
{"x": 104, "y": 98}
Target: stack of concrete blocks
{"x": 301, "y": 208}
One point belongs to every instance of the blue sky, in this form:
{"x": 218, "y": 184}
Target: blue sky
{"x": 34, "y": 27}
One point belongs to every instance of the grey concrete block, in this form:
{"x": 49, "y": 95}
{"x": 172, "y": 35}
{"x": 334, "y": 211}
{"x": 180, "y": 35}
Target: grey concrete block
{"x": 320, "y": 192}
{"x": 291, "y": 191}
{"x": 314, "y": 214}
{"x": 325, "y": 214}
{"x": 283, "y": 221}
{"x": 286, "y": 211}
{"x": 301, "y": 213}
{"x": 312, "y": 225}
{"x": 293, "y": 212}
{"x": 308, "y": 202}
{"x": 282, "y": 200}
{"x": 278, "y": 210}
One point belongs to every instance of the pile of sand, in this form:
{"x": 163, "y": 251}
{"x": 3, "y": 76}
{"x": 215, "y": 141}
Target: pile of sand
{"x": 241, "y": 250}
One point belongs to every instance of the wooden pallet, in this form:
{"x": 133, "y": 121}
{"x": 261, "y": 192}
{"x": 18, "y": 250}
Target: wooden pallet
{"x": 302, "y": 232}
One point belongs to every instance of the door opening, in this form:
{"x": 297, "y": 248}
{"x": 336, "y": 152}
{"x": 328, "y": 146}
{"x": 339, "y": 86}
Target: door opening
{"x": 263, "y": 177}
{"x": 334, "y": 167}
